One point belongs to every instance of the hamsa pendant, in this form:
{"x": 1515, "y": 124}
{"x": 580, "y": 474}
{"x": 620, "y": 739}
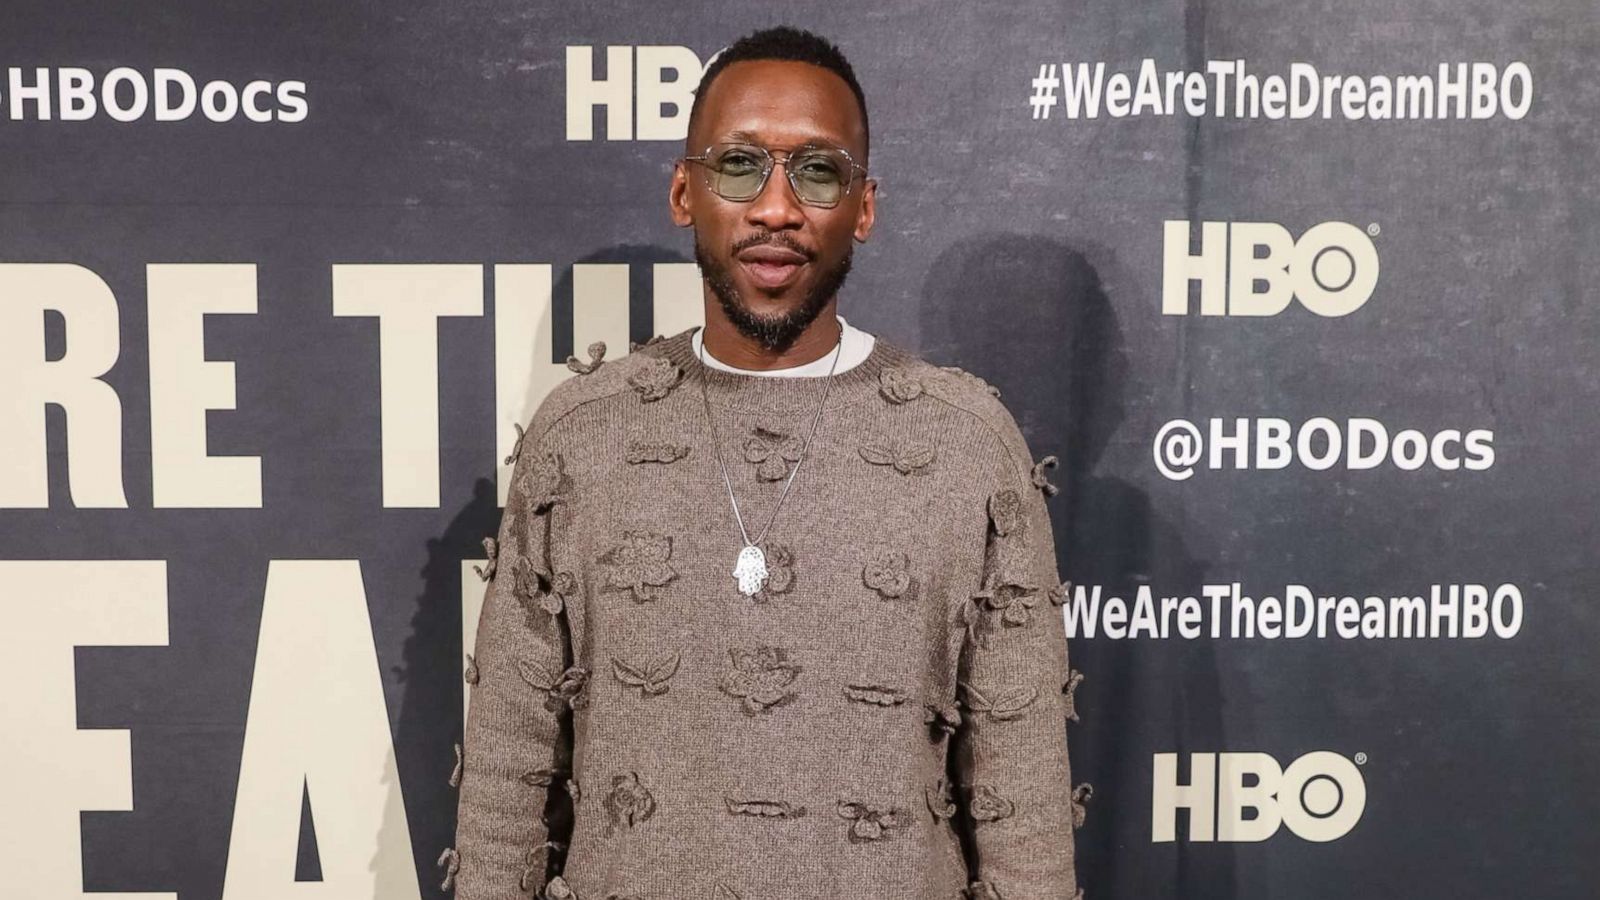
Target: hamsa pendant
{"x": 751, "y": 570}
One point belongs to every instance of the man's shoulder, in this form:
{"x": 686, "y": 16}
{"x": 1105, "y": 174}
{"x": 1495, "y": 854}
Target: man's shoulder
{"x": 967, "y": 393}
{"x": 951, "y": 385}
{"x": 644, "y": 369}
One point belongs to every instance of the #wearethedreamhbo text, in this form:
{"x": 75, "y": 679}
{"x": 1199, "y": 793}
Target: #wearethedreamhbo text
{"x": 1229, "y": 89}
{"x": 1448, "y": 611}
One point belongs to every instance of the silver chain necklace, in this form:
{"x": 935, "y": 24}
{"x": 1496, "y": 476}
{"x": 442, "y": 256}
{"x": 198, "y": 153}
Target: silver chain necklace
{"x": 751, "y": 568}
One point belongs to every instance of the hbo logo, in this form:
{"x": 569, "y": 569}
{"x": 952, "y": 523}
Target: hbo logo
{"x": 1256, "y": 268}
{"x": 1320, "y": 796}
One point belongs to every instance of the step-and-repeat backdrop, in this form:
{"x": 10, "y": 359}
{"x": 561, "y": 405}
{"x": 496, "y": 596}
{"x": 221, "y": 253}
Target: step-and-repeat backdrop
{"x": 1302, "y": 296}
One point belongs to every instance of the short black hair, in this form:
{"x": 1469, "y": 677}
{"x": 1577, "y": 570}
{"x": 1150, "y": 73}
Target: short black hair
{"x": 784, "y": 42}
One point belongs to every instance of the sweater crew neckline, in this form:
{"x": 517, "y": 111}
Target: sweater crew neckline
{"x": 755, "y": 393}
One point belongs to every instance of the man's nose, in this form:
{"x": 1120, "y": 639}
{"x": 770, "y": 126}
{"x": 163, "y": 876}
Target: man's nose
{"x": 776, "y": 206}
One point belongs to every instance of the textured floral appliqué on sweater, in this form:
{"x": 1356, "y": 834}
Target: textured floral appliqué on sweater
{"x": 894, "y": 701}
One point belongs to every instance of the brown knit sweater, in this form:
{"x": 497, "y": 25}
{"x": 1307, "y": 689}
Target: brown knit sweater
{"x": 886, "y": 718}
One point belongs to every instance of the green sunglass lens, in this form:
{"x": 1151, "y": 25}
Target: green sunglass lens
{"x": 819, "y": 177}
{"x": 737, "y": 172}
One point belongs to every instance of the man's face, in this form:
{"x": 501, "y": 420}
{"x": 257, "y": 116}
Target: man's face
{"x": 778, "y": 105}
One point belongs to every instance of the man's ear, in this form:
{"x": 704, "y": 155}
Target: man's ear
{"x": 869, "y": 210}
{"x": 678, "y": 202}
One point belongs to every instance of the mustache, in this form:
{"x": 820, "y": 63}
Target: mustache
{"x": 775, "y": 240}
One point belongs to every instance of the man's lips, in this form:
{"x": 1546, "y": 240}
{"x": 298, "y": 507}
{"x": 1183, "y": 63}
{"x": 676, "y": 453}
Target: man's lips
{"x": 772, "y": 266}
{"x": 771, "y": 275}
{"x": 771, "y": 253}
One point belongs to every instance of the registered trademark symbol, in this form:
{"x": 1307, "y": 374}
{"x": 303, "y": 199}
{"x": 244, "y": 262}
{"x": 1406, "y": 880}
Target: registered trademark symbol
{"x": 1361, "y": 758}
{"x": 1373, "y": 230}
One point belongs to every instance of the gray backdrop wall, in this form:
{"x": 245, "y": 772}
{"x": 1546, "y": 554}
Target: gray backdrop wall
{"x": 1318, "y": 359}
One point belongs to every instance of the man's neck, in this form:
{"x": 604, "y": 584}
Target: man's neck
{"x": 732, "y": 346}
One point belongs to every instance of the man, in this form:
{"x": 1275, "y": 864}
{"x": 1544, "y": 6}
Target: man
{"x": 774, "y": 607}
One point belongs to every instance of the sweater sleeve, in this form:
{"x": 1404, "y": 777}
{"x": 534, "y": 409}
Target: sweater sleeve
{"x": 514, "y": 753}
{"x": 1014, "y": 690}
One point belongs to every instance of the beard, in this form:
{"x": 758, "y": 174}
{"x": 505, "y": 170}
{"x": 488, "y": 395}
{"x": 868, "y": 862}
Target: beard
{"x": 774, "y": 332}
